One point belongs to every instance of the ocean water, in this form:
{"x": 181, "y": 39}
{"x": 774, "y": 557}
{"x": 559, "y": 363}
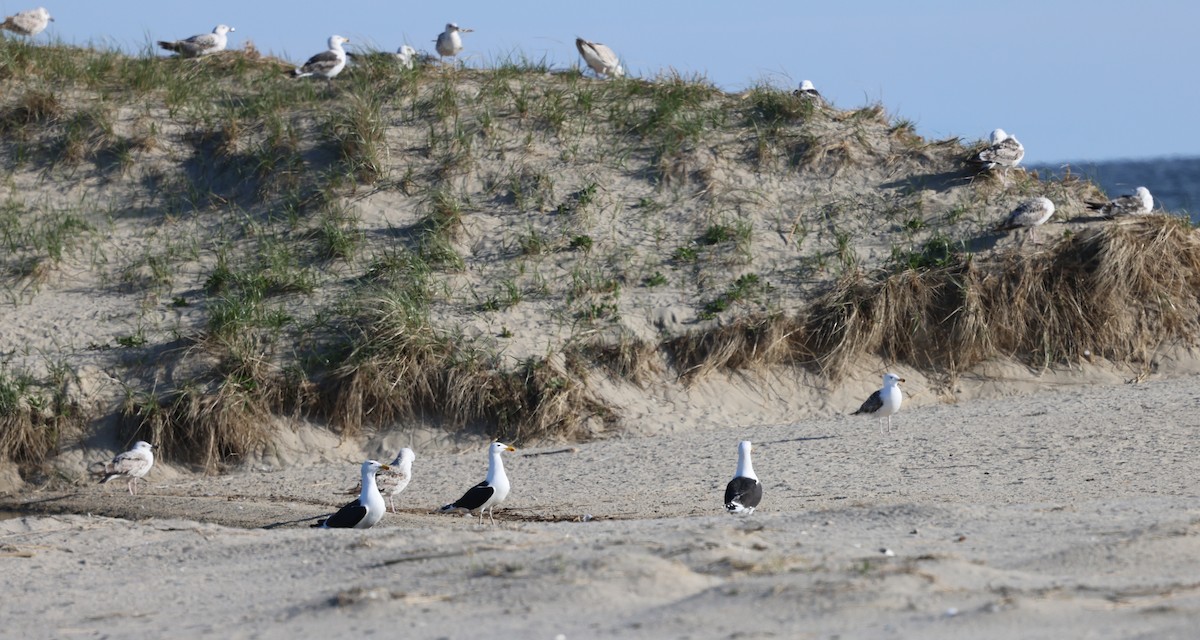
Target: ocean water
{"x": 1174, "y": 182}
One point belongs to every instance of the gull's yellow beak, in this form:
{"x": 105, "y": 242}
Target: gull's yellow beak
{"x": 509, "y": 448}
{"x": 384, "y": 467}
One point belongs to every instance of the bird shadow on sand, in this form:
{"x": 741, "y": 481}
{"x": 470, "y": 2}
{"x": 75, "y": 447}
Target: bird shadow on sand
{"x": 276, "y": 525}
{"x": 801, "y": 439}
{"x": 939, "y": 182}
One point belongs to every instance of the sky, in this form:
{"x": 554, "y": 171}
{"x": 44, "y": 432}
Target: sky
{"x": 1073, "y": 80}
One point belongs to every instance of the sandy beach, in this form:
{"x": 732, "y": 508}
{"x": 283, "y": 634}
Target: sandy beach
{"x": 1071, "y": 512}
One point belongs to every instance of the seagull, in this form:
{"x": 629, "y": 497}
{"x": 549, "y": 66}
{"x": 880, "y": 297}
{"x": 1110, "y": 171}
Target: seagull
{"x": 600, "y": 58}
{"x": 489, "y": 493}
{"x": 885, "y": 402}
{"x": 449, "y": 42}
{"x": 365, "y": 511}
{"x": 326, "y": 64}
{"x": 807, "y": 90}
{"x": 28, "y": 23}
{"x": 1029, "y": 214}
{"x": 1005, "y": 151}
{"x": 397, "y": 476}
{"x": 744, "y": 492}
{"x": 407, "y": 56}
{"x": 132, "y": 464}
{"x": 1133, "y": 204}
{"x": 201, "y": 45}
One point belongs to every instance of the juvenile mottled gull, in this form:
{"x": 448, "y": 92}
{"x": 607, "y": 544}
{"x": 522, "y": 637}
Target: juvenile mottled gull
{"x": 132, "y": 464}
{"x": 885, "y": 402}
{"x": 201, "y": 45}
{"x": 396, "y": 477}
{"x": 1005, "y": 151}
{"x": 326, "y": 64}
{"x": 807, "y": 90}
{"x": 365, "y": 511}
{"x": 1133, "y": 204}
{"x": 449, "y": 42}
{"x": 744, "y": 492}
{"x": 489, "y": 493}
{"x": 600, "y": 58}
{"x": 1030, "y": 214}
{"x": 28, "y": 23}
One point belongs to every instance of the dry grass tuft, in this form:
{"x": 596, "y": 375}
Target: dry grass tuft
{"x": 745, "y": 343}
{"x": 32, "y": 425}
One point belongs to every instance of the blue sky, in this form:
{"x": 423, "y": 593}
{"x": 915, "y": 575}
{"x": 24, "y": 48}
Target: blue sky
{"x": 1072, "y": 80}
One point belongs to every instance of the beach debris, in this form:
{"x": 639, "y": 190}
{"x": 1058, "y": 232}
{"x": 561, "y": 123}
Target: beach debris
{"x": 365, "y": 511}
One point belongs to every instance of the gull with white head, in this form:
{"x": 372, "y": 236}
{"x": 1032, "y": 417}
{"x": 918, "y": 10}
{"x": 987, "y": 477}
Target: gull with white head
{"x": 885, "y": 402}
{"x": 326, "y": 64}
{"x": 1003, "y": 150}
{"x": 600, "y": 58}
{"x": 1140, "y": 202}
{"x": 200, "y": 45}
{"x": 396, "y": 477}
{"x": 28, "y": 23}
{"x": 449, "y": 42}
{"x": 132, "y": 464}
{"x": 1030, "y": 214}
{"x": 807, "y": 90}
{"x": 366, "y": 510}
{"x": 489, "y": 493}
{"x": 744, "y": 492}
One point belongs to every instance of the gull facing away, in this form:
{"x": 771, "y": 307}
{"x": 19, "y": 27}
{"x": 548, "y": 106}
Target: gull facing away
{"x": 807, "y": 90}
{"x": 1138, "y": 203}
{"x": 406, "y": 56}
{"x": 132, "y": 464}
{"x": 1030, "y": 214}
{"x": 449, "y": 42}
{"x": 489, "y": 493}
{"x": 201, "y": 45}
{"x": 885, "y": 402}
{"x": 1005, "y": 151}
{"x": 28, "y": 23}
{"x": 600, "y": 58}
{"x": 396, "y": 477}
{"x": 365, "y": 511}
{"x": 744, "y": 492}
{"x": 326, "y": 64}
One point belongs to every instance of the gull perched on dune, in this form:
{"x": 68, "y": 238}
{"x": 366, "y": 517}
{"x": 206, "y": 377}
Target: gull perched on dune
{"x": 744, "y": 492}
{"x": 326, "y": 64}
{"x": 1030, "y": 214}
{"x": 807, "y": 90}
{"x": 1132, "y": 204}
{"x": 132, "y": 464}
{"x": 449, "y": 42}
{"x": 201, "y": 45}
{"x": 600, "y": 58}
{"x": 396, "y": 477}
{"x": 365, "y": 511}
{"x": 885, "y": 402}
{"x": 1004, "y": 151}
{"x": 489, "y": 493}
{"x": 28, "y": 23}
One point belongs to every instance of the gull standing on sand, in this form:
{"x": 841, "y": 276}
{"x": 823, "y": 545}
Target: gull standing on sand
{"x": 744, "y": 492}
{"x": 364, "y": 512}
{"x": 807, "y": 90}
{"x": 449, "y": 42}
{"x": 1138, "y": 203}
{"x": 201, "y": 45}
{"x": 326, "y": 64}
{"x": 489, "y": 493}
{"x": 600, "y": 58}
{"x": 885, "y": 402}
{"x": 1030, "y": 214}
{"x": 396, "y": 477}
{"x": 132, "y": 464}
{"x": 1005, "y": 151}
{"x": 28, "y": 23}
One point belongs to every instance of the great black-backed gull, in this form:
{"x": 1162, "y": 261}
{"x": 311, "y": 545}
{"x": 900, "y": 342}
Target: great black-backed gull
{"x": 326, "y": 64}
{"x": 1005, "y": 151}
{"x": 489, "y": 493}
{"x": 1030, "y": 214}
{"x": 885, "y": 402}
{"x": 201, "y": 45}
{"x": 449, "y": 42}
{"x": 1133, "y": 204}
{"x": 132, "y": 464}
{"x": 744, "y": 492}
{"x": 600, "y": 58}
{"x": 364, "y": 512}
{"x": 28, "y": 23}
{"x": 807, "y": 90}
{"x": 396, "y": 477}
